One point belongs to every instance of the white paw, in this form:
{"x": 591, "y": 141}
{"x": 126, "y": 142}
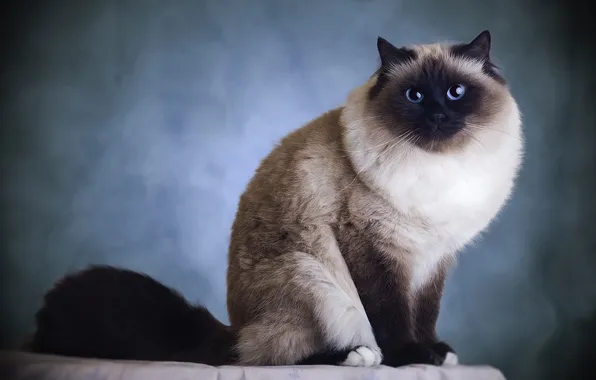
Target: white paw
{"x": 363, "y": 356}
{"x": 451, "y": 359}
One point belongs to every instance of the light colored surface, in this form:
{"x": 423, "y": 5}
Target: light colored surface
{"x": 21, "y": 366}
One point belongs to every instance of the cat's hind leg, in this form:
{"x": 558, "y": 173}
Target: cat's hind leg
{"x": 311, "y": 312}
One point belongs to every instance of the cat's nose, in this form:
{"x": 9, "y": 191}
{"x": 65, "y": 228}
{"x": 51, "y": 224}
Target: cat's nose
{"x": 435, "y": 120}
{"x": 438, "y": 118}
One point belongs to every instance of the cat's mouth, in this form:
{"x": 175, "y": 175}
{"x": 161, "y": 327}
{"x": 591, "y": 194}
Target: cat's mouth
{"x": 440, "y": 137}
{"x": 439, "y": 131}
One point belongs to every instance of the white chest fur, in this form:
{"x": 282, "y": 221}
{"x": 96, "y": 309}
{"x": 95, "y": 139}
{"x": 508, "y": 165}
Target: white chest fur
{"x": 446, "y": 201}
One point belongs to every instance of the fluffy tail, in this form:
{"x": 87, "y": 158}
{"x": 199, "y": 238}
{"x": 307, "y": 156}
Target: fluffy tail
{"x": 105, "y": 312}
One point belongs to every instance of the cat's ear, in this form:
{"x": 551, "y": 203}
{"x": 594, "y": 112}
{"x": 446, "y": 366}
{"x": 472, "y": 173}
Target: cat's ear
{"x": 479, "y": 47}
{"x": 390, "y": 54}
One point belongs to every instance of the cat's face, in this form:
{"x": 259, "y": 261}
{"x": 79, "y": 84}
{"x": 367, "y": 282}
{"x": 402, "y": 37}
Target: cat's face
{"x": 437, "y": 96}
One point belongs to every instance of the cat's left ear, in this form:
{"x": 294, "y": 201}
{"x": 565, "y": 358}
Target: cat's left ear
{"x": 480, "y": 47}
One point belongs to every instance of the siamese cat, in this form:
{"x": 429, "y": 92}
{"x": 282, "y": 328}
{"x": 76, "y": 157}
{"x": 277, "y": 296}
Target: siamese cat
{"x": 344, "y": 236}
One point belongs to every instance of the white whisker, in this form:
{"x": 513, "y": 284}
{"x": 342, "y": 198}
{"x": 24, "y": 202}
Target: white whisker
{"x": 481, "y": 127}
{"x": 479, "y": 143}
{"x": 384, "y": 144}
{"x": 404, "y": 137}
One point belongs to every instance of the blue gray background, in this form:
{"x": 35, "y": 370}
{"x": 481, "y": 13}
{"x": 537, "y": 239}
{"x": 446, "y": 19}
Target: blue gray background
{"x": 130, "y": 128}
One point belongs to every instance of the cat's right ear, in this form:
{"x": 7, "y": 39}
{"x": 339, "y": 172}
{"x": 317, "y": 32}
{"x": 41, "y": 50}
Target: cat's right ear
{"x": 390, "y": 54}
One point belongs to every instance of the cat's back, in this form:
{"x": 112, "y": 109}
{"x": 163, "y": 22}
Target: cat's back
{"x": 297, "y": 181}
{"x": 303, "y": 150}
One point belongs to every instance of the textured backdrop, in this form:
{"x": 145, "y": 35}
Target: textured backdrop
{"x": 130, "y": 128}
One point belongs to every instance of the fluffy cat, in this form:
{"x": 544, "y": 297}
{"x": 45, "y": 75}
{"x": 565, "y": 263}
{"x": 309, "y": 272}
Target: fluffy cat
{"x": 344, "y": 235}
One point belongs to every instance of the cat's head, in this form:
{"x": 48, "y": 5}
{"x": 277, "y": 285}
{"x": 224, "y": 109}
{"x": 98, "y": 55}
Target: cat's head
{"x": 438, "y": 97}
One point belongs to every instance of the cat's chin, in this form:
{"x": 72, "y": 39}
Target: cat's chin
{"x": 442, "y": 143}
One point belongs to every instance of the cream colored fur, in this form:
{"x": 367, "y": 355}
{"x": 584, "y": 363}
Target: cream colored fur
{"x": 290, "y": 292}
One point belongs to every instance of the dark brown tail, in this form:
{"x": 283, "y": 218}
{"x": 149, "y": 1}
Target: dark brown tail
{"x": 112, "y": 313}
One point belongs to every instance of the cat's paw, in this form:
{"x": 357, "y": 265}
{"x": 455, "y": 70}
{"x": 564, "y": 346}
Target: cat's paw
{"x": 413, "y": 353}
{"x": 363, "y": 356}
{"x": 448, "y": 355}
{"x": 451, "y": 359}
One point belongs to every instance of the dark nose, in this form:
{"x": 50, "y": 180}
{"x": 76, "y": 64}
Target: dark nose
{"x": 437, "y": 118}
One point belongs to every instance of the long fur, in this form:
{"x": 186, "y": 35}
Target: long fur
{"x": 112, "y": 313}
{"x": 344, "y": 236}
{"x": 350, "y": 225}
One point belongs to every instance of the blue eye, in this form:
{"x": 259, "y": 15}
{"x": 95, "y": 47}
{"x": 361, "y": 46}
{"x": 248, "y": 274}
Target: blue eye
{"x": 456, "y": 92}
{"x": 414, "y": 95}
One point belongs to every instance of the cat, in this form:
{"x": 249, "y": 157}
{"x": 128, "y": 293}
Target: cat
{"x": 345, "y": 234}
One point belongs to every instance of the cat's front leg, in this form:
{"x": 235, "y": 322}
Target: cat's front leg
{"x": 384, "y": 287}
{"x": 394, "y": 328}
{"x": 426, "y": 304}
